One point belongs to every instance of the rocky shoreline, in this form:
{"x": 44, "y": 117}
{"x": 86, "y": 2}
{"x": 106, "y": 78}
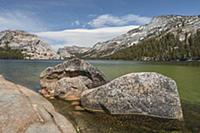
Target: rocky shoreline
{"x": 151, "y": 97}
{"x": 148, "y": 100}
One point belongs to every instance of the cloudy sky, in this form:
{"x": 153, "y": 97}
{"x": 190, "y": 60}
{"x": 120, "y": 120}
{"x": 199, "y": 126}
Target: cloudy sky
{"x": 85, "y": 22}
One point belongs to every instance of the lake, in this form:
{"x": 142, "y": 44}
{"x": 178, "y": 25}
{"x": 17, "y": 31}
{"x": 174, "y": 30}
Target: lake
{"x": 187, "y": 76}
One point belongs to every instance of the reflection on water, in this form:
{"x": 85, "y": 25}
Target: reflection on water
{"x": 187, "y": 76}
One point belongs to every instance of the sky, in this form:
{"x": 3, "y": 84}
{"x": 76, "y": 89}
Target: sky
{"x": 86, "y": 22}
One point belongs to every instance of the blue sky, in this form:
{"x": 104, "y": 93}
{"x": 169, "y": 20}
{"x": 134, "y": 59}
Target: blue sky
{"x": 50, "y": 17}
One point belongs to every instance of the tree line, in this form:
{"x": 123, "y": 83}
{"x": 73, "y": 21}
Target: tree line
{"x": 8, "y": 53}
{"x": 165, "y": 48}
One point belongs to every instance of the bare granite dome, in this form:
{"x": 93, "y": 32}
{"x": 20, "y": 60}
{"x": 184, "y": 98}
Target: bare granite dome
{"x": 31, "y": 45}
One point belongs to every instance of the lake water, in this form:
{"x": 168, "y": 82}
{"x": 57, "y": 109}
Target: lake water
{"x": 187, "y": 76}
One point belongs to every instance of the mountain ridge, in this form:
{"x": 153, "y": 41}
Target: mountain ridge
{"x": 159, "y": 25}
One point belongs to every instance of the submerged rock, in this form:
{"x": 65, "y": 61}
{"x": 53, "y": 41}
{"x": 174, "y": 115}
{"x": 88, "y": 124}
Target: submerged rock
{"x": 145, "y": 94}
{"x": 69, "y": 79}
{"x": 24, "y": 111}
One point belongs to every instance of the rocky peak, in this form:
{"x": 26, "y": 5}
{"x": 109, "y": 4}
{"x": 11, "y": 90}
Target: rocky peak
{"x": 64, "y": 53}
{"x": 30, "y": 45}
{"x": 69, "y": 51}
{"x": 16, "y": 33}
{"x": 76, "y": 49}
{"x": 174, "y": 21}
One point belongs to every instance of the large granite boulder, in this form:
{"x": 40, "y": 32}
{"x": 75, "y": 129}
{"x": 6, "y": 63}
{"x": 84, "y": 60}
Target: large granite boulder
{"x": 147, "y": 93}
{"x": 24, "y": 111}
{"x": 69, "y": 79}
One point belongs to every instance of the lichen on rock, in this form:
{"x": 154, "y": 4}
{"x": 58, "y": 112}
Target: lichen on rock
{"x": 146, "y": 93}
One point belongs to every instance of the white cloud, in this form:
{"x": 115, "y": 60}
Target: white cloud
{"x": 76, "y": 23}
{"x": 103, "y": 28}
{"x": 110, "y": 20}
{"x": 82, "y": 37}
{"x": 17, "y": 20}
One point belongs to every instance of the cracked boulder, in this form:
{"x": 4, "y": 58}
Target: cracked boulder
{"x": 24, "y": 111}
{"x": 69, "y": 79}
{"x": 143, "y": 94}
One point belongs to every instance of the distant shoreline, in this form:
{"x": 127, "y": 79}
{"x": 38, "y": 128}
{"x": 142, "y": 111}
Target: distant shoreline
{"x": 99, "y": 59}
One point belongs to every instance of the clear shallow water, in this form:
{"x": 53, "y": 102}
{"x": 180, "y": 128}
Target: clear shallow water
{"x": 187, "y": 76}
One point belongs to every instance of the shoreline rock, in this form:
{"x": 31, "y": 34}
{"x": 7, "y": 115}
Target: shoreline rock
{"x": 149, "y": 94}
{"x": 69, "y": 79}
{"x": 24, "y": 111}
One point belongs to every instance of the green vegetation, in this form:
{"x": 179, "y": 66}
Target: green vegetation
{"x": 165, "y": 48}
{"x": 8, "y": 53}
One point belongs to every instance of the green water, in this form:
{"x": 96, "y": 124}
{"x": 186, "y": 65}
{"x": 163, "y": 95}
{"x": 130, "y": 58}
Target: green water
{"x": 187, "y": 76}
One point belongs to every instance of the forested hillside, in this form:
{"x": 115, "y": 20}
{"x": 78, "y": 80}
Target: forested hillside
{"x": 8, "y": 53}
{"x": 165, "y": 48}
